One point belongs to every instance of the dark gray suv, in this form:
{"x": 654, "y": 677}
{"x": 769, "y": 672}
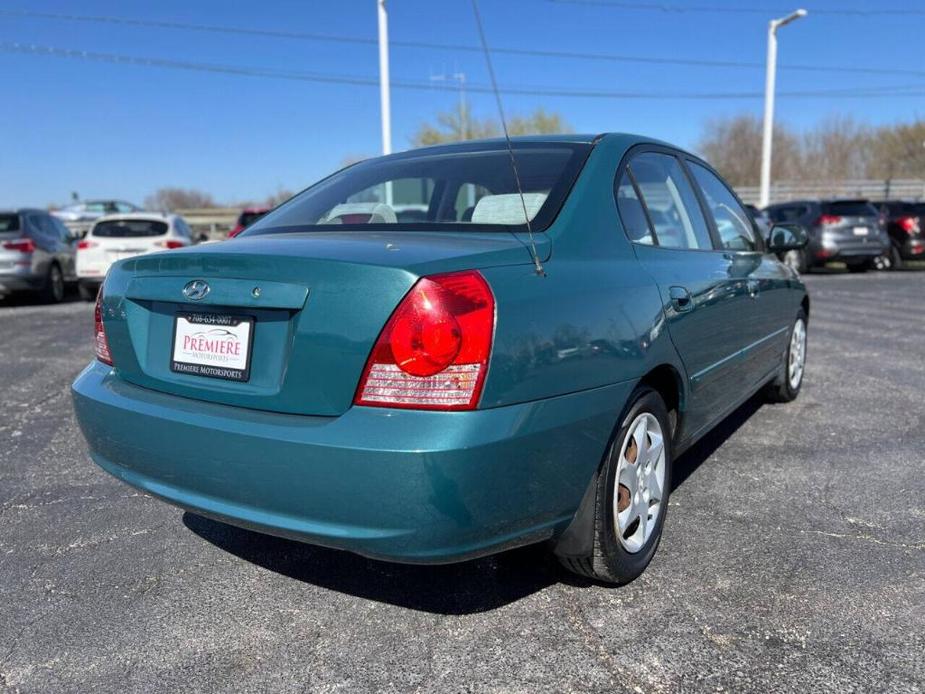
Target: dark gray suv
{"x": 849, "y": 231}
{"x": 37, "y": 253}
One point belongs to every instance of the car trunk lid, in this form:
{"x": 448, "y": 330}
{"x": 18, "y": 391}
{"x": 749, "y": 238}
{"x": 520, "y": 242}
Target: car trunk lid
{"x": 315, "y": 303}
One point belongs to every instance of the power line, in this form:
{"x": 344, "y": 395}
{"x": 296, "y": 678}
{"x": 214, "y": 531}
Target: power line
{"x": 913, "y": 90}
{"x": 427, "y": 45}
{"x": 673, "y": 8}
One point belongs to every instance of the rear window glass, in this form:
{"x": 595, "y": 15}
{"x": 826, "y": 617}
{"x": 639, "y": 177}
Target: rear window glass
{"x": 129, "y": 228}
{"x": 850, "y": 208}
{"x": 9, "y": 222}
{"x": 460, "y": 188}
{"x": 248, "y": 218}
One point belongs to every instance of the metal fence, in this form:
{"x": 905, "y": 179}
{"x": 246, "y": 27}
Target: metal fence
{"x": 902, "y": 188}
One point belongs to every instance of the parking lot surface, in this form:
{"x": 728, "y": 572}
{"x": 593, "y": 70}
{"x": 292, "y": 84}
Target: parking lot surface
{"x": 793, "y": 558}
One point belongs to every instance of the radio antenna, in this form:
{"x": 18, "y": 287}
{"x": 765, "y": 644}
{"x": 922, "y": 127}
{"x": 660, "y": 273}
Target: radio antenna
{"x": 507, "y": 138}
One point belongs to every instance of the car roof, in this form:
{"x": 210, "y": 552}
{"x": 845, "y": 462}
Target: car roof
{"x": 24, "y": 210}
{"x": 153, "y": 216}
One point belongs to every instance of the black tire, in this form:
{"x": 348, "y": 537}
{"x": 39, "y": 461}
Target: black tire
{"x": 781, "y": 389}
{"x": 86, "y": 291}
{"x": 53, "y": 290}
{"x": 796, "y": 259}
{"x": 896, "y": 258}
{"x": 609, "y": 560}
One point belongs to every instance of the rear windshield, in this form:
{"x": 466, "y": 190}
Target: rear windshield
{"x": 459, "y": 189}
{"x": 850, "y": 208}
{"x": 129, "y": 228}
{"x": 248, "y": 218}
{"x": 9, "y": 222}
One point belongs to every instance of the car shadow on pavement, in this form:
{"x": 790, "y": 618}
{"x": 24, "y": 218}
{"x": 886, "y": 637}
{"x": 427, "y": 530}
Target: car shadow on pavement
{"x": 469, "y": 587}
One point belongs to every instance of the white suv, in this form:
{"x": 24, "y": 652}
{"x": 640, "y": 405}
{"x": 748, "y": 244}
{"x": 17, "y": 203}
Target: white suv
{"x": 115, "y": 237}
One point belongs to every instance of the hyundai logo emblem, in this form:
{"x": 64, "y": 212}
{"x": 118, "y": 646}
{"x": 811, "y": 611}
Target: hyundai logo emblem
{"x": 196, "y": 290}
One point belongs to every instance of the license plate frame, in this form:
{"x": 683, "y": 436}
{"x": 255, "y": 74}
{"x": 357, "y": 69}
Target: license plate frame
{"x": 219, "y": 332}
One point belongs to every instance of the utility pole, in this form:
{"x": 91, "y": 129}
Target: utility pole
{"x": 385, "y": 106}
{"x": 765, "y": 195}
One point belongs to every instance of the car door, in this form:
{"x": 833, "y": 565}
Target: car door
{"x": 702, "y": 295}
{"x": 66, "y": 249}
{"x": 764, "y": 309}
{"x": 44, "y": 251}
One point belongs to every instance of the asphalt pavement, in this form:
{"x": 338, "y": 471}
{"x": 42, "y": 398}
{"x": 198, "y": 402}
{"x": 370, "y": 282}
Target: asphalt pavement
{"x": 793, "y": 557}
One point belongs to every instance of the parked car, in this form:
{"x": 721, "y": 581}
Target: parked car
{"x": 121, "y": 236}
{"x": 248, "y": 216}
{"x": 36, "y": 254}
{"x": 80, "y": 216}
{"x": 842, "y": 230}
{"x": 905, "y": 224}
{"x": 761, "y": 219}
{"x": 434, "y": 390}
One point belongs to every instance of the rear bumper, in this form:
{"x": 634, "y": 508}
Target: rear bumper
{"x": 394, "y": 484}
{"x": 825, "y": 249}
{"x": 20, "y": 281}
{"x": 913, "y": 249}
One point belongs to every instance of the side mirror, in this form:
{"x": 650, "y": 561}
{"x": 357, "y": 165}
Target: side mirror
{"x": 786, "y": 237}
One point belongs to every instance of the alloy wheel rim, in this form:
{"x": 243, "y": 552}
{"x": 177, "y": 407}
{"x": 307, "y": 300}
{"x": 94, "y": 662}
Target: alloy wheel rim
{"x": 797, "y": 355}
{"x": 883, "y": 262}
{"x": 640, "y": 482}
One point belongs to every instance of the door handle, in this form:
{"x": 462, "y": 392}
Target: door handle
{"x": 681, "y": 299}
{"x": 753, "y": 288}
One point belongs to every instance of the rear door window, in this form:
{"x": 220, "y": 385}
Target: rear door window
{"x": 733, "y": 224}
{"x": 129, "y": 228}
{"x": 670, "y": 200}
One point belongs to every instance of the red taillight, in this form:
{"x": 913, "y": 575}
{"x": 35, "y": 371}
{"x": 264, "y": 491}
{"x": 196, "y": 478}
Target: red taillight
{"x": 170, "y": 244}
{"x": 21, "y": 245}
{"x": 828, "y": 219}
{"x": 102, "y": 344}
{"x": 84, "y": 245}
{"x": 909, "y": 224}
{"x": 433, "y": 352}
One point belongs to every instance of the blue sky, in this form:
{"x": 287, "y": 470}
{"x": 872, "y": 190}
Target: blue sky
{"x": 122, "y": 131}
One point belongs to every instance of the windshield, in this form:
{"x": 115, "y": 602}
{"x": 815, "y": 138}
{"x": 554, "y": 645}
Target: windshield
{"x": 129, "y": 228}
{"x": 466, "y": 189}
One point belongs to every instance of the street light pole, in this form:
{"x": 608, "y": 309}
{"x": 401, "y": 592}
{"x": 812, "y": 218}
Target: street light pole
{"x": 385, "y": 106}
{"x": 765, "y": 195}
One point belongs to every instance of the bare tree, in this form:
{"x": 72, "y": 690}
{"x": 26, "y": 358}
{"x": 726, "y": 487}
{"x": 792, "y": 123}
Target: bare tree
{"x": 460, "y": 124}
{"x": 170, "y": 199}
{"x": 733, "y": 146}
{"x": 836, "y": 149}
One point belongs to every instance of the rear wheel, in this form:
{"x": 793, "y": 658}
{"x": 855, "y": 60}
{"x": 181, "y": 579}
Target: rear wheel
{"x": 632, "y": 494}
{"x": 896, "y": 258}
{"x": 53, "y": 291}
{"x": 786, "y": 386}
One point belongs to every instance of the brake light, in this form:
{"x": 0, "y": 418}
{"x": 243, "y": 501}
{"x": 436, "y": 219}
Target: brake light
{"x": 102, "y": 344}
{"x": 828, "y": 220}
{"x": 20, "y": 245}
{"x": 909, "y": 224}
{"x": 433, "y": 352}
{"x": 170, "y": 244}
{"x": 84, "y": 245}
